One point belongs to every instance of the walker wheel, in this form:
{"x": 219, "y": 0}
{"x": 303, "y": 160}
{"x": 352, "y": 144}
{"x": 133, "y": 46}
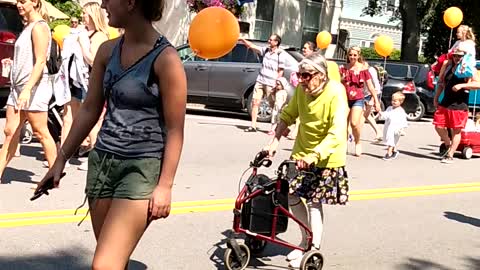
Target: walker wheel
{"x": 467, "y": 152}
{"x": 256, "y": 246}
{"x": 231, "y": 261}
{"x": 312, "y": 260}
{"x": 442, "y": 148}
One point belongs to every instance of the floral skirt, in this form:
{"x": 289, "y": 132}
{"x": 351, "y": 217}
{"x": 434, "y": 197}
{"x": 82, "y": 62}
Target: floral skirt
{"x": 322, "y": 185}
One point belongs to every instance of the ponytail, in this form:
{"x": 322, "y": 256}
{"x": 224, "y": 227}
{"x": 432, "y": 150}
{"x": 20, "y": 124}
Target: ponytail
{"x": 41, "y": 8}
{"x": 469, "y": 35}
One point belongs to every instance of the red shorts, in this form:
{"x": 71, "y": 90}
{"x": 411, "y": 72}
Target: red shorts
{"x": 446, "y": 118}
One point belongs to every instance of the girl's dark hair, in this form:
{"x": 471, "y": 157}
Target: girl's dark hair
{"x": 311, "y": 45}
{"x": 152, "y": 9}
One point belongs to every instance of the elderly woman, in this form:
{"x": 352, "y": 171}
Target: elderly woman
{"x": 321, "y": 104}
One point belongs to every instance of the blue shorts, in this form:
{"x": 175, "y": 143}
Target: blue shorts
{"x": 356, "y": 103}
{"x": 369, "y": 97}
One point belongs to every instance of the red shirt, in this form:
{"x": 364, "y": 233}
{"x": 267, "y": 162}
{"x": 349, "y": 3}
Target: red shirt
{"x": 354, "y": 83}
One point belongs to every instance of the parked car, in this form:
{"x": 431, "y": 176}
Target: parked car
{"x": 10, "y": 27}
{"x": 398, "y": 80}
{"x": 227, "y": 83}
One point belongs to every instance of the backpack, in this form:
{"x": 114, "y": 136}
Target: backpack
{"x": 55, "y": 60}
{"x": 382, "y": 74}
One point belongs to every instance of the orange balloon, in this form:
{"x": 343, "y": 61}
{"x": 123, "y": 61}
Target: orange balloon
{"x": 452, "y": 17}
{"x": 333, "y": 71}
{"x": 213, "y": 33}
{"x": 384, "y": 45}
{"x": 324, "y": 39}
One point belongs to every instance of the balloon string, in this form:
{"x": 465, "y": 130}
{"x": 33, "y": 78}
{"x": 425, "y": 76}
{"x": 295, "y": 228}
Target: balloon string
{"x": 385, "y": 63}
{"x": 450, "y": 41}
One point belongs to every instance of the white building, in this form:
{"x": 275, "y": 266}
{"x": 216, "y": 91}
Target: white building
{"x": 296, "y": 21}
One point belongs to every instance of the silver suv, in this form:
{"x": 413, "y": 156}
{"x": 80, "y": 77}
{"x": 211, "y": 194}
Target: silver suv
{"x": 227, "y": 83}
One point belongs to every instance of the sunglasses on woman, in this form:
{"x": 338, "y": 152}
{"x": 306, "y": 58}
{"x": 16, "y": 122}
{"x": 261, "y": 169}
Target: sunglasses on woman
{"x": 306, "y": 76}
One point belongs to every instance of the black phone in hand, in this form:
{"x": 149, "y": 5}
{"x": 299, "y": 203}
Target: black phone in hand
{"x": 46, "y": 186}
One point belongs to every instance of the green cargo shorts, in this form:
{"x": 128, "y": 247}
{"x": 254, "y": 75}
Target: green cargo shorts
{"x": 110, "y": 176}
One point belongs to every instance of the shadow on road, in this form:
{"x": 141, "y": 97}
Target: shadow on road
{"x": 75, "y": 258}
{"x": 71, "y": 259}
{"x": 16, "y": 175}
{"x": 32, "y": 151}
{"x": 462, "y": 218}
{"x": 419, "y": 264}
{"x": 418, "y": 155}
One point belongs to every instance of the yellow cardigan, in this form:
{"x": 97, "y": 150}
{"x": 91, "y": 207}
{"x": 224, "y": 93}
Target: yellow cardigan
{"x": 322, "y": 134}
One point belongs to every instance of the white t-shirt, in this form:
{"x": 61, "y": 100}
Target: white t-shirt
{"x": 376, "y": 83}
{"x": 468, "y": 46}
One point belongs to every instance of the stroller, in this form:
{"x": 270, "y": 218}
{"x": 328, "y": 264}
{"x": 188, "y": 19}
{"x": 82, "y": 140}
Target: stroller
{"x": 54, "y": 122}
{"x": 261, "y": 212}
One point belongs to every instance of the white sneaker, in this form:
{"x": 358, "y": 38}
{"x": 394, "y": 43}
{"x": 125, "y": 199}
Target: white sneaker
{"x": 294, "y": 254}
{"x": 83, "y": 166}
{"x": 296, "y": 263}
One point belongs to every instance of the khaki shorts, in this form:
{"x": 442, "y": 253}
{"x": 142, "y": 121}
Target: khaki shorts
{"x": 262, "y": 90}
{"x": 110, "y": 176}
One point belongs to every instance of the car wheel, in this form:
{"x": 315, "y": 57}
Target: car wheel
{"x": 418, "y": 114}
{"x": 264, "y": 111}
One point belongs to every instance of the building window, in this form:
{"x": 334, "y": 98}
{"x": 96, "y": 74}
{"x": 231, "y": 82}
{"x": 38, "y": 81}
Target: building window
{"x": 390, "y": 5}
{"x": 311, "y": 21}
{"x": 264, "y": 19}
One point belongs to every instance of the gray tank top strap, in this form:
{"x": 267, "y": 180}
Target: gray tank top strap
{"x": 141, "y": 67}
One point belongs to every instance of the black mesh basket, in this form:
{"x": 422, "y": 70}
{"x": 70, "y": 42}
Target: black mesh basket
{"x": 257, "y": 214}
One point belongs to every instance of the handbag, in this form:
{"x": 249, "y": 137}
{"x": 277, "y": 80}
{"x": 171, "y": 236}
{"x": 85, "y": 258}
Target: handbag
{"x": 466, "y": 67}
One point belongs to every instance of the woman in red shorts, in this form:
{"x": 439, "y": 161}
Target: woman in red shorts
{"x": 355, "y": 77}
{"x": 452, "y": 111}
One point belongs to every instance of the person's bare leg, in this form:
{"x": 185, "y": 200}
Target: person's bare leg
{"x": 123, "y": 226}
{"x": 13, "y": 127}
{"x": 356, "y": 118}
{"x": 39, "y": 121}
{"x": 367, "y": 114}
{"x": 443, "y": 133}
{"x": 456, "y": 137}
{"x": 255, "y": 105}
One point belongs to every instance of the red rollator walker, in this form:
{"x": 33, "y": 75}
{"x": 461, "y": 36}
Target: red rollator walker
{"x": 261, "y": 212}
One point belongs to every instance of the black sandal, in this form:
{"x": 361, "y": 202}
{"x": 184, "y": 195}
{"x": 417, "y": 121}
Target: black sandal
{"x": 250, "y": 129}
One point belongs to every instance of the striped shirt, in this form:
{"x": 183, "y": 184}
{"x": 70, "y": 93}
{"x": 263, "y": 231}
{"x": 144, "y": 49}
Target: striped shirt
{"x": 272, "y": 61}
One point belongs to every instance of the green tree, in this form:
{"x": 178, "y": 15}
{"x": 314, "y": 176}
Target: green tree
{"x": 438, "y": 33}
{"x": 370, "y": 53}
{"x": 412, "y": 14}
{"x": 70, "y": 8}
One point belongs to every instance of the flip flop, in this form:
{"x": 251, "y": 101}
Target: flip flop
{"x": 250, "y": 129}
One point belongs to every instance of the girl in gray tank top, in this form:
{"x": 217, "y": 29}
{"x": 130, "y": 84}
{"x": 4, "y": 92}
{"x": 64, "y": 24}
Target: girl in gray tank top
{"x": 30, "y": 92}
{"x": 132, "y": 168}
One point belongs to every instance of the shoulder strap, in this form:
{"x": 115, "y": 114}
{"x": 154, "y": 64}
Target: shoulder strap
{"x": 159, "y": 45}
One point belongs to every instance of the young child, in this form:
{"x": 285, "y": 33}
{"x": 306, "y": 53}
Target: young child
{"x": 473, "y": 125}
{"x": 395, "y": 124}
{"x": 280, "y": 96}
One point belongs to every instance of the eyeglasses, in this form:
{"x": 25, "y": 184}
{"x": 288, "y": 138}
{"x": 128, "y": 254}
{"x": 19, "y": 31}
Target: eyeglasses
{"x": 306, "y": 76}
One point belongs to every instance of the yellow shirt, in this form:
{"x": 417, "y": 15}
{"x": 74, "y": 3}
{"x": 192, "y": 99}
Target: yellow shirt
{"x": 322, "y": 134}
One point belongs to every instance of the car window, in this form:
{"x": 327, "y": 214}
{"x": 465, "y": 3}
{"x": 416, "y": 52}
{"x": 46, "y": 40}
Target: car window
{"x": 252, "y": 56}
{"x": 186, "y": 55}
{"x": 10, "y": 20}
{"x": 401, "y": 70}
{"x": 237, "y": 55}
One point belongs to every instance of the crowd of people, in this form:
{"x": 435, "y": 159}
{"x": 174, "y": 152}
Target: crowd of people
{"x": 328, "y": 114}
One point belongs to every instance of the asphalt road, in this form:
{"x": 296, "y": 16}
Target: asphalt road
{"x": 407, "y": 214}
